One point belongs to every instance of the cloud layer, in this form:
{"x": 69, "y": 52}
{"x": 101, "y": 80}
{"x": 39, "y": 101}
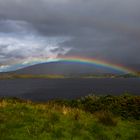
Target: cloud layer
{"x": 105, "y": 29}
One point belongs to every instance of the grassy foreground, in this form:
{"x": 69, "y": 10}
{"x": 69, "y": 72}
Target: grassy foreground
{"x": 88, "y": 118}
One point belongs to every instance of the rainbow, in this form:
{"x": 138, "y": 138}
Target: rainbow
{"x": 83, "y": 60}
{"x": 101, "y": 63}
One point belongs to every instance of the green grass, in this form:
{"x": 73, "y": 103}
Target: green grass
{"x": 25, "y": 120}
{"x": 30, "y": 76}
{"x": 60, "y": 76}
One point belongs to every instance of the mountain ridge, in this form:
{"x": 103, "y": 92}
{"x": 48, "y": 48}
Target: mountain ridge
{"x": 64, "y": 68}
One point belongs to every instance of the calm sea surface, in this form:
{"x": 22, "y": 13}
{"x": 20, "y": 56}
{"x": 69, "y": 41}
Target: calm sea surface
{"x": 45, "y": 89}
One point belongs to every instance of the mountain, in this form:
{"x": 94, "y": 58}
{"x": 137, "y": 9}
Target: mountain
{"x": 64, "y": 68}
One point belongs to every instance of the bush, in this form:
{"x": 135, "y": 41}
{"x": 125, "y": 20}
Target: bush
{"x": 106, "y": 118}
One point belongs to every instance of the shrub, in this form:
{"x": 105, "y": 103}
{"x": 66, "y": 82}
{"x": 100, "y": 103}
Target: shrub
{"x": 106, "y": 118}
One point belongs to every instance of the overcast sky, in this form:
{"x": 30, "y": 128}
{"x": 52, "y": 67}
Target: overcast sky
{"x": 46, "y": 29}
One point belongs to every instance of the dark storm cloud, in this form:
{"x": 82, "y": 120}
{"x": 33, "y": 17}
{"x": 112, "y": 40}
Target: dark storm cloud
{"x": 70, "y": 14}
{"x": 105, "y": 29}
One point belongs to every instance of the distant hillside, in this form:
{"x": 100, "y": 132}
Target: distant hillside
{"x": 64, "y": 68}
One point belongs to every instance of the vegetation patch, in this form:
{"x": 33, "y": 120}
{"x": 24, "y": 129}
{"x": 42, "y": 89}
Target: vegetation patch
{"x": 106, "y": 118}
{"x": 125, "y": 106}
{"x": 70, "y": 120}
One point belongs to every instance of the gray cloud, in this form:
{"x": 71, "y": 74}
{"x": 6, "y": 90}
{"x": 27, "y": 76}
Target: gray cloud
{"x": 105, "y": 29}
{"x": 22, "y": 44}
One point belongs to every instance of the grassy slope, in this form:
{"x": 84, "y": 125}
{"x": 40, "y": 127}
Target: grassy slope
{"x": 55, "y": 76}
{"x": 24, "y": 120}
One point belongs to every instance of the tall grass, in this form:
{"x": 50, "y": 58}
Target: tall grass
{"x": 25, "y": 120}
{"x": 127, "y": 106}
{"x": 106, "y": 118}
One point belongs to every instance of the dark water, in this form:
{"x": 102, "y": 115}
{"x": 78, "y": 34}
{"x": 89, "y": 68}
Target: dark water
{"x": 44, "y": 89}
